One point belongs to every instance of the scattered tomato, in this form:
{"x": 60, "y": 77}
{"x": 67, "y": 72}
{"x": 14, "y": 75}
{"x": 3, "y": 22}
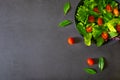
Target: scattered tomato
{"x": 96, "y": 9}
{"x": 118, "y": 28}
{"x": 71, "y": 41}
{"x": 89, "y": 29}
{"x": 116, "y": 12}
{"x": 90, "y": 61}
{"x": 100, "y": 21}
{"x": 105, "y": 35}
{"x": 108, "y": 8}
{"x": 91, "y": 19}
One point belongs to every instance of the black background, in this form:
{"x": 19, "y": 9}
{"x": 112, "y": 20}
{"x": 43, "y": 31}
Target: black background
{"x": 33, "y": 47}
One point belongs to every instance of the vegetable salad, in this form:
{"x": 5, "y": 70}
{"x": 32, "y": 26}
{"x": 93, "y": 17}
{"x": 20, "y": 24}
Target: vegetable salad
{"x": 98, "y": 21}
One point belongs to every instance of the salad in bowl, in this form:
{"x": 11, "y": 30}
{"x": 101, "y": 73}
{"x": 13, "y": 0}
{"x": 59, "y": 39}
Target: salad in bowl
{"x": 98, "y": 21}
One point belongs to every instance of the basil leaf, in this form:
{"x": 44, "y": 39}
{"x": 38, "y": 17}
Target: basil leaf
{"x": 101, "y": 63}
{"x": 64, "y": 23}
{"x": 66, "y": 7}
{"x": 90, "y": 71}
{"x": 100, "y": 41}
{"x": 87, "y": 39}
{"x": 113, "y": 34}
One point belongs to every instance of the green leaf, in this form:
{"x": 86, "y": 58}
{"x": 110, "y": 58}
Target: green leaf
{"x": 67, "y": 6}
{"x": 111, "y": 28}
{"x": 80, "y": 16}
{"x": 100, "y": 41}
{"x": 81, "y": 29}
{"x": 96, "y": 32}
{"x": 112, "y": 23}
{"x": 107, "y": 16}
{"x": 101, "y": 5}
{"x": 93, "y": 13}
{"x": 90, "y": 71}
{"x": 87, "y": 39}
{"x": 64, "y": 23}
{"x": 113, "y": 34}
{"x": 114, "y": 4}
{"x": 101, "y": 63}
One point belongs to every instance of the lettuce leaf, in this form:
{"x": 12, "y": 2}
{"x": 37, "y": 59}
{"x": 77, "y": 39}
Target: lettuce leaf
{"x": 81, "y": 29}
{"x": 87, "y": 39}
{"x": 113, "y": 34}
{"x": 82, "y": 14}
{"x": 112, "y": 23}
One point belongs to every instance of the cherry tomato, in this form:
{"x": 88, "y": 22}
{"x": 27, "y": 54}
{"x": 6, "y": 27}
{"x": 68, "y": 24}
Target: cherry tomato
{"x": 118, "y": 28}
{"x": 90, "y": 61}
{"x": 116, "y": 12}
{"x": 108, "y": 8}
{"x": 96, "y": 9}
{"x": 71, "y": 41}
{"x": 91, "y": 18}
{"x": 89, "y": 29}
{"x": 105, "y": 35}
{"x": 100, "y": 21}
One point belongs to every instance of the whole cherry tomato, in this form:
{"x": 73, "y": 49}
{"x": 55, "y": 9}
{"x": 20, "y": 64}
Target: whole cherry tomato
{"x": 90, "y": 61}
{"x": 71, "y": 41}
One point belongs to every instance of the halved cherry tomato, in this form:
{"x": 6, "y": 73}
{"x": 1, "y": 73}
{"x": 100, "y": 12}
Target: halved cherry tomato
{"x": 100, "y": 21}
{"x": 116, "y": 11}
{"x": 71, "y": 41}
{"x": 91, "y": 18}
{"x": 105, "y": 35}
{"x": 90, "y": 61}
{"x": 118, "y": 28}
{"x": 108, "y": 8}
{"x": 89, "y": 29}
{"x": 96, "y": 9}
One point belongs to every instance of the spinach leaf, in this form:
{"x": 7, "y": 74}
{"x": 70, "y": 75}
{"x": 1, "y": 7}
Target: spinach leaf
{"x": 64, "y": 23}
{"x": 101, "y": 63}
{"x": 93, "y": 13}
{"x": 90, "y": 71}
{"x": 101, "y": 5}
{"x": 96, "y": 32}
{"x": 107, "y": 15}
{"x": 100, "y": 41}
{"x": 114, "y": 4}
{"x": 67, "y": 7}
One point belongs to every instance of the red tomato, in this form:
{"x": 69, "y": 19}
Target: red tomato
{"x": 71, "y": 41}
{"x": 105, "y": 35}
{"x": 96, "y": 9}
{"x": 91, "y": 18}
{"x": 116, "y": 12}
{"x": 118, "y": 28}
{"x": 90, "y": 61}
{"x": 89, "y": 29}
{"x": 100, "y": 21}
{"x": 108, "y": 8}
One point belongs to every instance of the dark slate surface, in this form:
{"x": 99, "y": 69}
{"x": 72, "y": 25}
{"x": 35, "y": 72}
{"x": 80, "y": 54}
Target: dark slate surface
{"x": 33, "y": 47}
